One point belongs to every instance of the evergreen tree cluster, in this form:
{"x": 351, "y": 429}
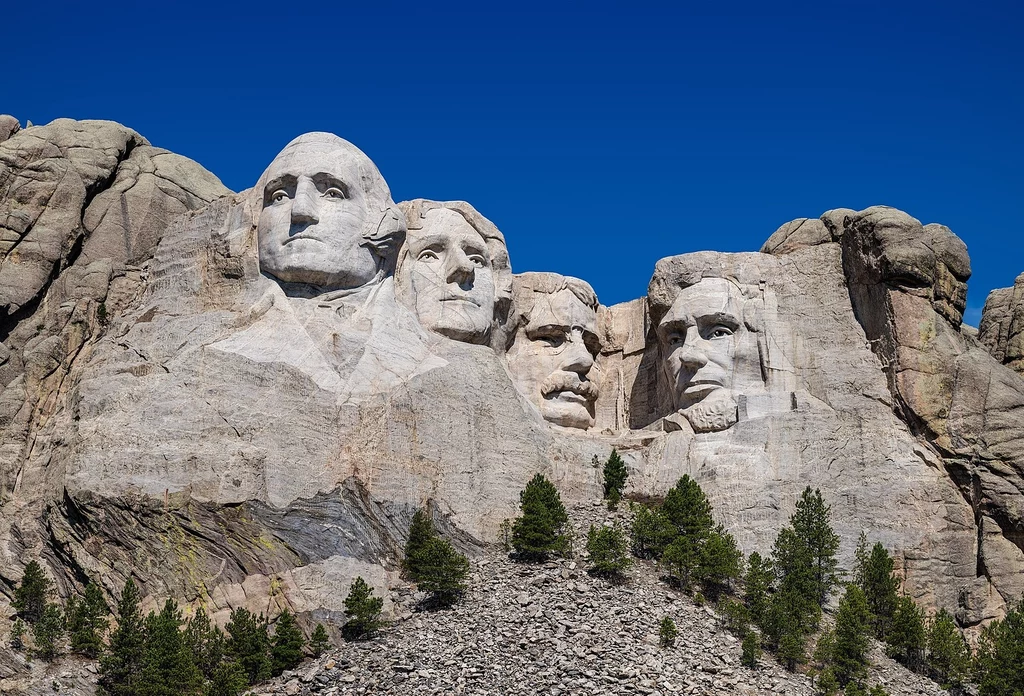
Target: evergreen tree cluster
{"x": 608, "y": 549}
{"x": 682, "y": 535}
{"x": 433, "y": 563}
{"x": 163, "y": 654}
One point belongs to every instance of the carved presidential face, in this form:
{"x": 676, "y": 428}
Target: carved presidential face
{"x": 708, "y": 353}
{"x": 552, "y": 355}
{"x": 447, "y": 268}
{"x": 313, "y": 218}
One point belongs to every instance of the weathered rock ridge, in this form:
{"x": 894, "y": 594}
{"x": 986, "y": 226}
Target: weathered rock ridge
{"x": 241, "y": 400}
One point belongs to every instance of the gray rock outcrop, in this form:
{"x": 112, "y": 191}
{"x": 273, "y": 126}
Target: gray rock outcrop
{"x": 199, "y": 393}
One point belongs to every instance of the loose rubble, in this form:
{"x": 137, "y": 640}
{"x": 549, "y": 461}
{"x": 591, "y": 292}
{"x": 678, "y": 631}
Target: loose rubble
{"x": 552, "y": 629}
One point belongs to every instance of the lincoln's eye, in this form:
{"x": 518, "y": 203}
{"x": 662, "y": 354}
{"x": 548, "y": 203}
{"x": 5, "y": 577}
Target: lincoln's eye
{"x": 334, "y": 192}
{"x": 477, "y": 260}
{"x": 719, "y": 331}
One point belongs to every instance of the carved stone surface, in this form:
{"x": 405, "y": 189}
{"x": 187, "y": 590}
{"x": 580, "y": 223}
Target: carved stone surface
{"x": 326, "y": 216}
{"x": 259, "y": 404}
{"x": 554, "y": 346}
{"x": 454, "y": 270}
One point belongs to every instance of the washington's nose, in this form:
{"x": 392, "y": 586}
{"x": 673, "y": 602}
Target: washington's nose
{"x": 306, "y": 206}
{"x": 576, "y": 358}
{"x": 460, "y": 268}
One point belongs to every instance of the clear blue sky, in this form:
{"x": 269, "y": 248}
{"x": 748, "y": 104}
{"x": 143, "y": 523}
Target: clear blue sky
{"x": 599, "y": 137}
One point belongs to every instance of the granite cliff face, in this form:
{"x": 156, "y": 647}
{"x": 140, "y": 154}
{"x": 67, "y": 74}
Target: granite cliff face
{"x": 241, "y": 399}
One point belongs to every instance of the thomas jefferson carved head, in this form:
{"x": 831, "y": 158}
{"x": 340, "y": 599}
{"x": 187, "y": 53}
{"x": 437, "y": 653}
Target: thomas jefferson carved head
{"x": 453, "y": 270}
{"x": 709, "y": 352}
{"x": 326, "y": 217}
{"x": 554, "y": 346}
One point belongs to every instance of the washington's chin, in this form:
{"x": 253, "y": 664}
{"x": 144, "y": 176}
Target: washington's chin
{"x": 567, "y": 409}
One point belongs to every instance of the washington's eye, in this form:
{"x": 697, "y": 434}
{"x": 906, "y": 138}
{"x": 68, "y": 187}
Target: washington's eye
{"x": 278, "y": 196}
{"x": 427, "y": 255}
{"x": 719, "y": 331}
{"x": 334, "y": 192}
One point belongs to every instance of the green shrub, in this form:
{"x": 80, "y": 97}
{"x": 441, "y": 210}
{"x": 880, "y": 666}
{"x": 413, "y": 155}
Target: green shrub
{"x": 650, "y": 533}
{"x": 30, "y": 594}
{"x": 539, "y": 530}
{"x": 421, "y": 531}
{"x": 87, "y": 621}
{"x": 48, "y": 632}
{"x": 319, "y": 643}
{"x": 248, "y": 644}
{"x": 1000, "y": 661}
{"x": 667, "y": 632}
{"x": 286, "y": 647}
{"x": 615, "y": 476}
{"x": 442, "y": 571}
{"x": 949, "y": 659}
{"x": 363, "y": 611}
{"x": 609, "y": 551}
{"x": 751, "y": 650}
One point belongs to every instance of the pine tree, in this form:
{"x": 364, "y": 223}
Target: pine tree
{"x": 1001, "y": 656}
{"x": 168, "y": 668}
{"x": 609, "y": 551}
{"x": 812, "y": 524}
{"x": 286, "y": 648}
{"x": 442, "y": 571}
{"x": 850, "y": 654}
{"x": 651, "y": 532}
{"x": 667, "y": 632}
{"x": 615, "y": 476}
{"x": 757, "y": 584}
{"x": 248, "y": 644}
{"x": 206, "y": 643}
{"x": 680, "y": 560}
{"x": 880, "y": 586}
{"x": 421, "y": 531}
{"x": 906, "y": 639}
{"x": 719, "y": 562}
{"x": 227, "y": 679}
{"x": 786, "y": 624}
{"x": 688, "y": 509}
{"x": 538, "y": 531}
{"x": 751, "y": 650}
{"x": 949, "y": 659}
{"x": 121, "y": 664}
{"x": 363, "y": 610}
{"x": 30, "y": 594}
{"x": 48, "y": 632}
{"x": 861, "y": 556}
{"x": 319, "y": 643}
{"x": 87, "y": 621}
{"x": 18, "y": 635}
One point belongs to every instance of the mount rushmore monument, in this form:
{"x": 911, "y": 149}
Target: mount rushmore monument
{"x": 241, "y": 399}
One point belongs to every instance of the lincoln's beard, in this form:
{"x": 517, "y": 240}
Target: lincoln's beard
{"x": 716, "y": 411}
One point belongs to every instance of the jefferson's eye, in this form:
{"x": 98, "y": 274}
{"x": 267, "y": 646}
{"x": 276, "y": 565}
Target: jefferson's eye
{"x": 334, "y": 193}
{"x": 427, "y": 255}
{"x": 675, "y": 339}
{"x": 278, "y": 196}
{"x": 719, "y": 332}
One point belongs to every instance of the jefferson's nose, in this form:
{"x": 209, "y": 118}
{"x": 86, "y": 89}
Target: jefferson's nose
{"x": 306, "y": 206}
{"x": 576, "y": 358}
{"x": 460, "y": 268}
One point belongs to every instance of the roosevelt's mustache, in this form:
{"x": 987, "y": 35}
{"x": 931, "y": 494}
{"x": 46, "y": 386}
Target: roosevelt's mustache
{"x": 569, "y": 381}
